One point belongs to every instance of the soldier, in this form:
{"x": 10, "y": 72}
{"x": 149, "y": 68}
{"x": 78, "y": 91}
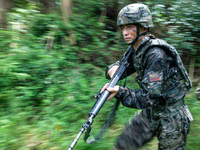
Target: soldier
{"x": 163, "y": 83}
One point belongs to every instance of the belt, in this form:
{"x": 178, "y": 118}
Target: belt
{"x": 149, "y": 111}
{"x": 178, "y": 103}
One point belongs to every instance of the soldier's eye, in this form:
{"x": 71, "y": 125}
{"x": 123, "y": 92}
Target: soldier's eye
{"x": 130, "y": 26}
{"x": 122, "y": 27}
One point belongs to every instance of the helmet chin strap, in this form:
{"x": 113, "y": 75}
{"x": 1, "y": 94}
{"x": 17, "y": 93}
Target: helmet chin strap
{"x": 138, "y": 35}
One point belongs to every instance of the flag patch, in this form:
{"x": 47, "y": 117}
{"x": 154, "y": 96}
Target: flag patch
{"x": 154, "y": 77}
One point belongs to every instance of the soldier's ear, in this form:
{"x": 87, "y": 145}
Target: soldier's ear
{"x": 144, "y": 29}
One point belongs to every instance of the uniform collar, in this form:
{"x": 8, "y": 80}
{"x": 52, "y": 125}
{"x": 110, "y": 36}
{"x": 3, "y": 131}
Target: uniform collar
{"x": 144, "y": 41}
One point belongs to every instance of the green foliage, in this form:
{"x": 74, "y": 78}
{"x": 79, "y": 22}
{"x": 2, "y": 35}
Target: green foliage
{"x": 181, "y": 19}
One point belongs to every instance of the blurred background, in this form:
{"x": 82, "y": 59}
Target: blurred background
{"x": 53, "y": 55}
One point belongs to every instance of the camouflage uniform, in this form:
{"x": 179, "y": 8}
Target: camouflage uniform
{"x": 163, "y": 83}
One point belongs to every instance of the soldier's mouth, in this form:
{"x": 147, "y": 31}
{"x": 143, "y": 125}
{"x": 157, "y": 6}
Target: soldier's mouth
{"x": 127, "y": 39}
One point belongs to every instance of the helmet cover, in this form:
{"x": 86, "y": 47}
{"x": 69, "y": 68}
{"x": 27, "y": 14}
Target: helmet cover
{"x": 135, "y": 13}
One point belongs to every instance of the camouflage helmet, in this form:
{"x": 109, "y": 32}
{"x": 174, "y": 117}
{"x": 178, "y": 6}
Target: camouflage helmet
{"x": 135, "y": 13}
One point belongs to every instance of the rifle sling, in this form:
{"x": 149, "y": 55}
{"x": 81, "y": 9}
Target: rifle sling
{"x": 104, "y": 128}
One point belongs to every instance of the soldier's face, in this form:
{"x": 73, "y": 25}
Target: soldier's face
{"x": 129, "y": 32}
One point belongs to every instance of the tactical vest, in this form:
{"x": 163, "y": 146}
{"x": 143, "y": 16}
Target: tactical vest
{"x": 149, "y": 42}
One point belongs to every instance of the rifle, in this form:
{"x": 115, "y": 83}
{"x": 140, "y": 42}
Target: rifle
{"x": 102, "y": 97}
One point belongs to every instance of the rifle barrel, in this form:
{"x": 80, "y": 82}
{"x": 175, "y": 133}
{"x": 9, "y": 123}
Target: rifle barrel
{"x": 76, "y": 139}
{"x": 85, "y": 125}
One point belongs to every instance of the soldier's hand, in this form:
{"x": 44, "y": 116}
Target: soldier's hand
{"x": 112, "y": 71}
{"x": 112, "y": 90}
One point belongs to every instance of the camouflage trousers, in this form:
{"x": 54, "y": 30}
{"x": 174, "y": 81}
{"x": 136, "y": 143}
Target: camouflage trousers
{"x": 171, "y": 126}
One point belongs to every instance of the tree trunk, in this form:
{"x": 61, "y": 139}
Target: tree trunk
{"x": 191, "y": 68}
{"x": 5, "y": 6}
{"x": 48, "y": 5}
{"x": 66, "y": 6}
{"x": 103, "y": 15}
{"x": 50, "y": 40}
{"x": 3, "y": 23}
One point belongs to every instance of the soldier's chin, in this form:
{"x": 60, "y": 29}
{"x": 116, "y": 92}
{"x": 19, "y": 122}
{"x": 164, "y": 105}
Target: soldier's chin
{"x": 128, "y": 42}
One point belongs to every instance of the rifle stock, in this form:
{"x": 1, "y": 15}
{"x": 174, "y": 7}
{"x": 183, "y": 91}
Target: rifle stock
{"x": 102, "y": 98}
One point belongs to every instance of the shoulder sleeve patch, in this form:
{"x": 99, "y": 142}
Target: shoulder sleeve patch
{"x": 154, "y": 77}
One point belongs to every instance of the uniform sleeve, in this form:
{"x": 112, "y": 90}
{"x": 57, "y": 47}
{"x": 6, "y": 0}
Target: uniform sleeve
{"x": 155, "y": 67}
